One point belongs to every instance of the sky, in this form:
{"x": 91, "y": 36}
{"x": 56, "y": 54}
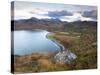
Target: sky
{"x": 63, "y": 12}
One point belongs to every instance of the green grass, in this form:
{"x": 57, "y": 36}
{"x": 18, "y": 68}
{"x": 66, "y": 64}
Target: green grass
{"x": 82, "y": 42}
{"x": 85, "y": 47}
{"x": 51, "y": 36}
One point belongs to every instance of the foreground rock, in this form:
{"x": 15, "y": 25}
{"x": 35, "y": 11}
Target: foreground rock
{"x": 65, "y": 57}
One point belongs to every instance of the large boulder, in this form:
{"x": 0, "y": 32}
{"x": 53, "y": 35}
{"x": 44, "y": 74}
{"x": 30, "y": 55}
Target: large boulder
{"x": 65, "y": 57}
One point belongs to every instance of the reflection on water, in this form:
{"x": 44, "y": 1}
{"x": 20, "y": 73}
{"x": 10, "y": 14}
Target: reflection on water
{"x": 28, "y": 41}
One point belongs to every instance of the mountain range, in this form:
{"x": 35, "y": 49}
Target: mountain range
{"x": 48, "y": 24}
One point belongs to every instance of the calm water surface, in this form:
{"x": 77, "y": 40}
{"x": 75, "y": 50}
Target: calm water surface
{"x": 29, "y": 41}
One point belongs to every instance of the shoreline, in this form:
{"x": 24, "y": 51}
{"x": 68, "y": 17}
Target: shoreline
{"x": 62, "y": 48}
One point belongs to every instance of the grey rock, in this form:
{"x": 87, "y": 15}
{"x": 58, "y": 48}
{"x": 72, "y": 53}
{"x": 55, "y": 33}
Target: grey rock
{"x": 65, "y": 57}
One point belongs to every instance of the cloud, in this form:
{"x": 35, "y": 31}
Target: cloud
{"x": 58, "y": 14}
{"x": 91, "y": 14}
{"x": 26, "y": 14}
{"x": 50, "y": 14}
{"x": 62, "y": 15}
{"x": 38, "y": 11}
{"x": 76, "y": 17}
{"x": 21, "y": 14}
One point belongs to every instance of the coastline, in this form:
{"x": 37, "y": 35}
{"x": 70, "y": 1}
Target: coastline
{"x": 40, "y": 62}
{"x": 62, "y": 48}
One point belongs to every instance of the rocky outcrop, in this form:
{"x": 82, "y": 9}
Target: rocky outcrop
{"x": 65, "y": 57}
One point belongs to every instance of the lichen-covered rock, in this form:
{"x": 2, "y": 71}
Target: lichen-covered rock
{"x": 65, "y": 57}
